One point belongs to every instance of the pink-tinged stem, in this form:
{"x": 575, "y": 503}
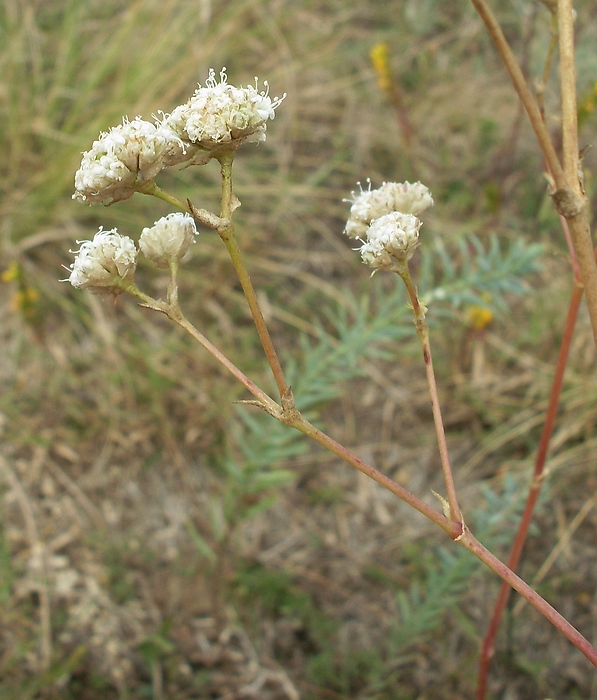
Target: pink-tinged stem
{"x": 529, "y": 509}
{"x": 288, "y": 415}
{"x": 299, "y": 423}
{"x": 423, "y": 333}
{"x": 530, "y": 595}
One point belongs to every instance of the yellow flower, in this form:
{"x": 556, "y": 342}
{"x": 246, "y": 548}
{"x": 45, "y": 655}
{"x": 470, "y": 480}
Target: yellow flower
{"x": 479, "y": 317}
{"x": 380, "y": 60}
{"x": 12, "y": 272}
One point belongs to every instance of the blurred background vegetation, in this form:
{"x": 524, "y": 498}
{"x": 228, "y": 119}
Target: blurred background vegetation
{"x": 157, "y": 541}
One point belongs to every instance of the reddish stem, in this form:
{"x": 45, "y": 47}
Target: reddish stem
{"x": 536, "y": 483}
{"x": 571, "y": 633}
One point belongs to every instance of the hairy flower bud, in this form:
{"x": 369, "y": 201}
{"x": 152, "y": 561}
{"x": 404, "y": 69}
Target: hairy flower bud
{"x": 169, "y": 238}
{"x": 391, "y": 238}
{"x": 125, "y": 158}
{"x": 222, "y": 116}
{"x": 370, "y": 204}
{"x": 101, "y": 265}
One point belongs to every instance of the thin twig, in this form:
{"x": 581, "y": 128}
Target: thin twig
{"x": 569, "y": 199}
{"x": 299, "y": 423}
{"x": 526, "y": 96}
{"x": 423, "y": 333}
{"x": 530, "y": 595}
{"x": 533, "y": 495}
{"x": 568, "y": 95}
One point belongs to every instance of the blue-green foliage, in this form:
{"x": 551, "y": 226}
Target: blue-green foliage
{"x": 363, "y": 329}
{"x": 474, "y": 273}
{"x": 423, "y": 606}
{"x": 327, "y": 362}
{"x": 325, "y": 365}
{"x": 447, "y": 575}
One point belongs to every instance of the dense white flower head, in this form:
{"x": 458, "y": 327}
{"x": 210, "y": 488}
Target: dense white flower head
{"x": 370, "y": 204}
{"x": 100, "y": 265}
{"x": 391, "y": 239}
{"x": 124, "y": 158}
{"x": 168, "y": 239}
{"x": 221, "y": 115}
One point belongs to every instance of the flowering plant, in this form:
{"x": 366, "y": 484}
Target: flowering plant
{"x": 212, "y": 125}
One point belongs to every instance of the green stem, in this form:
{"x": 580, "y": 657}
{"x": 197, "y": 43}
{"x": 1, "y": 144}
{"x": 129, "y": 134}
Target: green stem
{"x": 172, "y": 293}
{"x": 152, "y": 189}
{"x": 226, "y": 233}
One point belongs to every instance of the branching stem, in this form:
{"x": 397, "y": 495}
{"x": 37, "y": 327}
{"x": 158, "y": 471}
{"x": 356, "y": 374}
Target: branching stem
{"x": 287, "y": 414}
{"x": 534, "y": 491}
{"x": 526, "y": 96}
{"x": 569, "y": 199}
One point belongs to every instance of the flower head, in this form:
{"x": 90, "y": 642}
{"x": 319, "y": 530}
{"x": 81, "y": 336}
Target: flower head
{"x": 124, "y": 158}
{"x": 223, "y": 116}
{"x": 370, "y": 204}
{"x": 101, "y": 265}
{"x": 391, "y": 241}
{"x": 169, "y": 238}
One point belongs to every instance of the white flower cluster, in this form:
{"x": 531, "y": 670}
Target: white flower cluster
{"x": 124, "y": 158}
{"x": 391, "y": 196}
{"x": 168, "y": 239}
{"x": 217, "y": 117}
{"x": 105, "y": 264}
{"x": 223, "y": 114}
{"x": 392, "y": 237}
{"x": 385, "y": 221}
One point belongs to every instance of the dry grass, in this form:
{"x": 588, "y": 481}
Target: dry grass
{"x": 116, "y": 429}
